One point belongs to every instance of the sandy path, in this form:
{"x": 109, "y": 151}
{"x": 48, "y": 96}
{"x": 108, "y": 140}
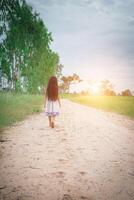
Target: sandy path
{"x": 89, "y": 155}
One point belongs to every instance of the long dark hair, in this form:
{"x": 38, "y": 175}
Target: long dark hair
{"x": 52, "y": 89}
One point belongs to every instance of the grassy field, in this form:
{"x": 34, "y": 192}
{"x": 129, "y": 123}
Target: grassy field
{"x": 117, "y": 104}
{"x": 15, "y": 107}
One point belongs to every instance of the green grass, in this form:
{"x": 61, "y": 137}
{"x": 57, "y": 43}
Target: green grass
{"x": 15, "y": 107}
{"x": 117, "y": 104}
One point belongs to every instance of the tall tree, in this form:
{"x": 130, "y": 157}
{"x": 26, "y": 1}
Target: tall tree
{"x": 25, "y": 47}
{"x": 66, "y": 81}
{"x": 126, "y": 92}
{"x": 106, "y": 88}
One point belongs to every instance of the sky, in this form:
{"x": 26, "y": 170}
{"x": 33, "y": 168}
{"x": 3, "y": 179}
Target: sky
{"x": 94, "y": 38}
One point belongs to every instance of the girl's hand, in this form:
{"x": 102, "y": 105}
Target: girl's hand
{"x": 59, "y": 102}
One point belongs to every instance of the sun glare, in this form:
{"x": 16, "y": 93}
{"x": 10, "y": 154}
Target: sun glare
{"x": 92, "y": 87}
{"x": 95, "y": 89}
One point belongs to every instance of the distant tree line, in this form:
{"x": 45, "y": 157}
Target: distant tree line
{"x": 106, "y": 88}
{"x": 126, "y": 92}
{"x": 25, "y": 53}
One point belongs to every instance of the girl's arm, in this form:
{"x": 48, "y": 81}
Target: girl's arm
{"x": 59, "y": 102}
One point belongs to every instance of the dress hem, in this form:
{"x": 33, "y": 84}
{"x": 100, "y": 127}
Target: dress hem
{"x": 51, "y": 113}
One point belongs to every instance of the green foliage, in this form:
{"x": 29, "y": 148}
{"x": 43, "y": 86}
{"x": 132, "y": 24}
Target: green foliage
{"x": 25, "y": 51}
{"x": 18, "y": 86}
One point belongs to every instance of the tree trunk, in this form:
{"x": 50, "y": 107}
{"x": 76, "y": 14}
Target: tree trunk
{"x": 14, "y": 70}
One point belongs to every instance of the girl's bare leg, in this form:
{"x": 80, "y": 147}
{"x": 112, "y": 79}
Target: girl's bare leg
{"x": 49, "y": 117}
{"x": 52, "y": 121}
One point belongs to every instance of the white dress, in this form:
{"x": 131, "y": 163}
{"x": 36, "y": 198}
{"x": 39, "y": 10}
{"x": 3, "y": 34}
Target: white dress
{"x": 52, "y": 108}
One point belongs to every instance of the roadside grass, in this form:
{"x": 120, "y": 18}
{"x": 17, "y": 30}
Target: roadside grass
{"x": 15, "y": 107}
{"x": 119, "y": 104}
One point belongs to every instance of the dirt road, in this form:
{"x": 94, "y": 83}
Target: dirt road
{"x": 88, "y": 156}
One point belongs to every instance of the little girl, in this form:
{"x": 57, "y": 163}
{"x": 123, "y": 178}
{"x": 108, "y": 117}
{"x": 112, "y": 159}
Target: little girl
{"x": 52, "y": 102}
